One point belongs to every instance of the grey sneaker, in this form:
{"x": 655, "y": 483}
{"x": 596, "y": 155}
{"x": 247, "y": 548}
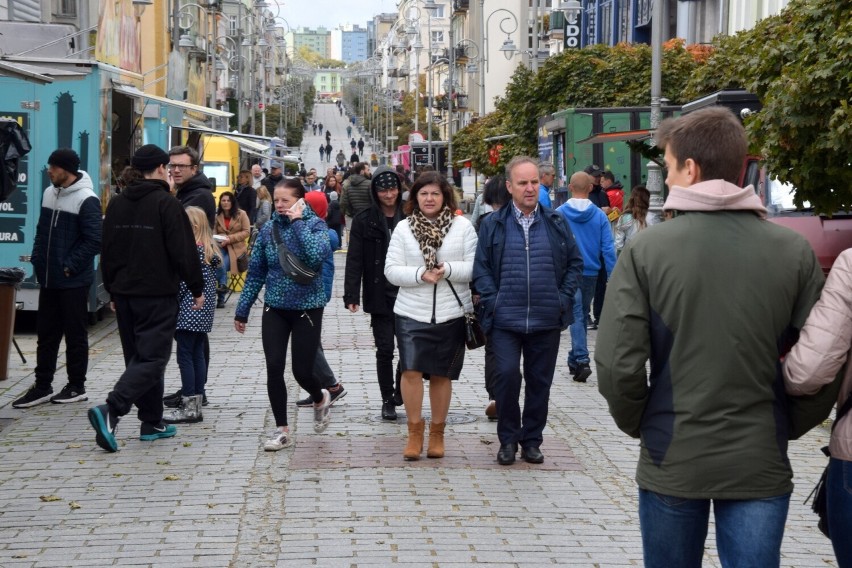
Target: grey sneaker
{"x": 278, "y": 440}
{"x": 69, "y": 394}
{"x": 33, "y": 397}
{"x": 322, "y": 413}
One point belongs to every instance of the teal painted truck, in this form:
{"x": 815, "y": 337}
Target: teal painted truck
{"x": 80, "y": 109}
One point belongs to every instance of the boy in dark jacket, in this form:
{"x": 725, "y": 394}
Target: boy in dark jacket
{"x": 369, "y": 239}
{"x": 148, "y": 248}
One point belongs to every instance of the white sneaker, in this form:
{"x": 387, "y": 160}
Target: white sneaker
{"x": 278, "y": 441}
{"x": 322, "y": 413}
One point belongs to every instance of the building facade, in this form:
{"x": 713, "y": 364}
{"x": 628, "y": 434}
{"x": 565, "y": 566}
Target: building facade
{"x": 318, "y": 40}
{"x": 349, "y": 43}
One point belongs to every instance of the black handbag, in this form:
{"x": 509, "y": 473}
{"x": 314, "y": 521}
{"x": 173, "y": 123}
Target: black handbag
{"x": 820, "y": 501}
{"x": 474, "y": 337}
{"x": 293, "y": 268}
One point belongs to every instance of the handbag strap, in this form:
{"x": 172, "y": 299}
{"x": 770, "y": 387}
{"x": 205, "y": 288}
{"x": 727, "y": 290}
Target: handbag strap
{"x": 462, "y": 305}
{"x": 276, "y": 236}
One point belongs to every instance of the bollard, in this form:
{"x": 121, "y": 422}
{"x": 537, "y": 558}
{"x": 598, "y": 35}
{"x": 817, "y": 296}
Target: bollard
{"x": 9, "y": 279}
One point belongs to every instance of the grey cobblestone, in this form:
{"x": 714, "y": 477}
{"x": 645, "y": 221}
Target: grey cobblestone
{"x": 235, "y": 505}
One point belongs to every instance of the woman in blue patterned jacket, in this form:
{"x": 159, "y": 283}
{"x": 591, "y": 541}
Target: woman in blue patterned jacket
{"x": 289, "y": 308}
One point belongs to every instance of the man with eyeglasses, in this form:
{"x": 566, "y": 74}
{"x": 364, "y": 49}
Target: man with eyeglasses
{"x": 193, "y": 187}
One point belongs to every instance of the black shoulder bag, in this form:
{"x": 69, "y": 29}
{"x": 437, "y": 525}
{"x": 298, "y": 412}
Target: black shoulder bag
{"x": 474, "y": 337}
{"x": 820, "y": 502}
{"x": 293, "y": 268}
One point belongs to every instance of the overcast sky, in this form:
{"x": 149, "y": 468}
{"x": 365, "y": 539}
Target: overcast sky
{"x": 331, "y": 13}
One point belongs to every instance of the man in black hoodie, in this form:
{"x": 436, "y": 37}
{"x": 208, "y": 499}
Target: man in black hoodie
{"x": 193, "y": 187}
{"x": 369, "y": 238}
{"x": 274, "y": 176}
{"x": 148, "y": 249}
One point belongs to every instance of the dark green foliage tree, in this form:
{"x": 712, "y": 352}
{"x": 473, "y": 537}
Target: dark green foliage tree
{"x": 596, "y": 76}
{"x": 799, "y": 64}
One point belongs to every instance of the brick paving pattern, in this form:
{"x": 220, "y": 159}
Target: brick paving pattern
{"x": 210, "y": 497}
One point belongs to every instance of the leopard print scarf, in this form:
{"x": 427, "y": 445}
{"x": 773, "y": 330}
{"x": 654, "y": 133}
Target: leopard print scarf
{"x": 430, "y": 234}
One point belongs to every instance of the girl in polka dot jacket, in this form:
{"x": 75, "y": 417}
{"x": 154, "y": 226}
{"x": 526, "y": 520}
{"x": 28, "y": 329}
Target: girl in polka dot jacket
{"x": 194, "y": 325}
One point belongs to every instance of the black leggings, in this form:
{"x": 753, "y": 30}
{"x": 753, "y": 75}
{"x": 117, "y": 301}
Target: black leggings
{"x": 306, "y": 328}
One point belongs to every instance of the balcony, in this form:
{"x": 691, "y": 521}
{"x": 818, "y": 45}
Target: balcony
{"x": 557, "y": 22}
{"x": 461, "y": 6}
{"x": 462, "y": 54}
{"x": 461, "y": 102}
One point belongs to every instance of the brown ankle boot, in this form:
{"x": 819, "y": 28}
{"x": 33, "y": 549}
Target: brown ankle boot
{"x": 436, "y": 440}
{"x": 415, "y": 441}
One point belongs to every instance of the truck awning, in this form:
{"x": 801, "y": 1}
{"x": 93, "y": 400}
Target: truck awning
{"x": 8, "y": 69}
{"x": 616, "y": 137}
{"x": 136, "y": 93}
{"x": 243, "y": 141}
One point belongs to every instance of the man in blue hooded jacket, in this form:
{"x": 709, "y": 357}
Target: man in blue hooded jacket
{"x": 593, "y": 234}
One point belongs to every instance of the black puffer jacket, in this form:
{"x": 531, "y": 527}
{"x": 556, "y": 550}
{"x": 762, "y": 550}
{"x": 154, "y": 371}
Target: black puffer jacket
{"x": 68, "y": 235}
{"x": 356, "y": 196}
{"x": 198, "y": 192}
{"x": 148, "y": 245}
{"x": 369, "y": 238}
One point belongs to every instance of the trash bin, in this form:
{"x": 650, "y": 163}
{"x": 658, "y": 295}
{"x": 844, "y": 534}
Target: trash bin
{"x": 9, "y": 280}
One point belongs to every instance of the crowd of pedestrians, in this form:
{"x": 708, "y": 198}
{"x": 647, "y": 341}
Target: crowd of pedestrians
{"x": 714, "y": 315}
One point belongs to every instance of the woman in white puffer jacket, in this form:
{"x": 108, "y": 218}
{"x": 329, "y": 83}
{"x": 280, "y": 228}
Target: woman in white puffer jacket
{"x": 823, "y": 349}
{"x": 430, "y": 258}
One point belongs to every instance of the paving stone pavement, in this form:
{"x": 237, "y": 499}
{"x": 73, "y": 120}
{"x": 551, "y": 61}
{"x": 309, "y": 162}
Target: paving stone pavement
{"x": 211, "y": 497}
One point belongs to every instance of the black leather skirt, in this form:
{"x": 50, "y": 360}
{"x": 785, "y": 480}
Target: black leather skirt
{"x": 433, "y": 349}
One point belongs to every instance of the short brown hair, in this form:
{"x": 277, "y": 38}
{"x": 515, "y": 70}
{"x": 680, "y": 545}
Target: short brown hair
{"x": 712, "y": 137}
{"x": 193, "y": 155}
{"x": 429, "y": 178}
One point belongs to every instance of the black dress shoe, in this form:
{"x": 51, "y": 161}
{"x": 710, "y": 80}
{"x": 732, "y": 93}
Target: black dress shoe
{"x": 506, "y": 455}
{"x": 388, "y": 410}
{"x": 532, "y": 455}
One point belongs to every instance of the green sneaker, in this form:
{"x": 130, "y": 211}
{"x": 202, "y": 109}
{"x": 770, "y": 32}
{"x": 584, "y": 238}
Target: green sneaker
{"x": 151, "y": 432}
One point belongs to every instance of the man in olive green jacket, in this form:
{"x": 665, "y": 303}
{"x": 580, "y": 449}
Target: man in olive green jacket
{"x": 711, "y": 297}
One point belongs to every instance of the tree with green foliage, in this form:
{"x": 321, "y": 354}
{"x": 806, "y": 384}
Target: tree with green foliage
{"x": 315, "y": 59}
{"x": 799, "y": 64}
{"x": 596, "y": 76}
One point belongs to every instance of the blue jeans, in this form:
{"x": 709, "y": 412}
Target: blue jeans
{"x": 223, "y": 270}
{"x": 748, "y": 532}
{"x": 191, "y": 360}
{"x": 582, "y": 301}
{"x": 839, "y": 496}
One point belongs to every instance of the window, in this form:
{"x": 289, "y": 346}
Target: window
{"x": 437, "y": 37}
{"x": 65, "y": 8}
{"x": 438, "y": 12}
{"x": 233, "y": 26}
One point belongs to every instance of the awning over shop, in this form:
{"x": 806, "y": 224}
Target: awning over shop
{"x": 136, "y": 93}
{"x": 616, "y": 137}
{"x": 241, "y": 139}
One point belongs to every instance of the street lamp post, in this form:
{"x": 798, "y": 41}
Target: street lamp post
{"x": 655, "y": 177}
{"x": 508, "y": 48}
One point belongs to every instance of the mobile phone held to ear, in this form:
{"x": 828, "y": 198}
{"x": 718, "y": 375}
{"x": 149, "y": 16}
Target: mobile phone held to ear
{"x": 298, "y": 207}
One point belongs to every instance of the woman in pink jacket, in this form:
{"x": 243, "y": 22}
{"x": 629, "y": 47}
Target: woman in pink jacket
{"x": 824, "y": 348}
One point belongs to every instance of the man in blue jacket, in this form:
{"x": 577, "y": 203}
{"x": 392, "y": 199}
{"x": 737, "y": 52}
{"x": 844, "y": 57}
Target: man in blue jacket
{"x": 593, "y": 234}
{"x": 526, "y": 271}
{"x": 68, "y": 237}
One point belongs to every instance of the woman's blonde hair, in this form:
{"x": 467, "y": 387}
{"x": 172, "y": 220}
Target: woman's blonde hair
{"x": 202, "y": 232}
{"x": 263, "y": 194}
